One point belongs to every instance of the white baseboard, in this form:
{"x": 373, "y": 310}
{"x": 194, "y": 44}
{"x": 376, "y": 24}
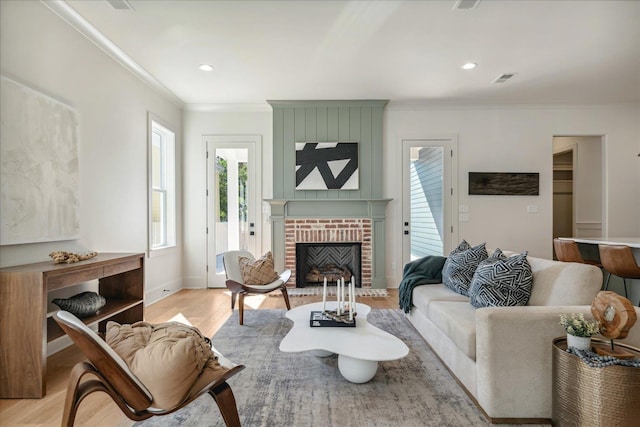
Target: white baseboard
{"x": 161, "y": 292}
{"x": 194, "y": 282}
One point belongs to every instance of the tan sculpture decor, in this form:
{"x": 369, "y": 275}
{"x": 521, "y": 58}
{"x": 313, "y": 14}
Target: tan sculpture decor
{"x": 616, "y": 316}
{"x": 63, "y": 257}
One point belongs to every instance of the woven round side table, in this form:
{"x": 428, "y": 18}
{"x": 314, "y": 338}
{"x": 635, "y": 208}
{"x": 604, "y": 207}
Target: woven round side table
{"x": 585, "y": 396}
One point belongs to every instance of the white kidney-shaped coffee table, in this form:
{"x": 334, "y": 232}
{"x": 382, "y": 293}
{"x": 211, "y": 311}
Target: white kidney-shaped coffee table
{"x": 359, "y": 348}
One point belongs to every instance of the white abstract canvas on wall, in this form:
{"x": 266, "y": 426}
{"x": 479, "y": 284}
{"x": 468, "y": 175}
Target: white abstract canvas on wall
{"x": 39, "y": 167}
{"x": 327, "y": 166}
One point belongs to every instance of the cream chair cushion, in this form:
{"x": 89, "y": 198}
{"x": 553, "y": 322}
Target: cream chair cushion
{"x": 259, "y": 271}
{"x": 168, "y": 358}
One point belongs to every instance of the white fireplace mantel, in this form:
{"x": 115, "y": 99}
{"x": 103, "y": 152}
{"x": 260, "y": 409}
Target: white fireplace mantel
{"x": 328, "y": 208}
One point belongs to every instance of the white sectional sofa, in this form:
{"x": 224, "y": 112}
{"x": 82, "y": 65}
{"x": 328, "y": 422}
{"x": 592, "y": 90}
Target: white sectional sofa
{"x": 503, "y": 355}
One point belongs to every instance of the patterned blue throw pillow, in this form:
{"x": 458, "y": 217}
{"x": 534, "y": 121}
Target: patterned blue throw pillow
{"x": 502, "y": 282}
{"x": 460, "y": 265}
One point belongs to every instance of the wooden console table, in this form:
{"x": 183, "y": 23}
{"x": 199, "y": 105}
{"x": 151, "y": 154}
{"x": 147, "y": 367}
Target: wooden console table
{"x": 26, "y": 327}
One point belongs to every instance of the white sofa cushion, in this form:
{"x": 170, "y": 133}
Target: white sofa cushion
{"x": 425, "y": 294}
{"x": 458, "y": 321}
{"x": 563, "y": 283}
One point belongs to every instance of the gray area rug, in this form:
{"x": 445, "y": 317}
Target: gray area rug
{"x": 299, "y": 389}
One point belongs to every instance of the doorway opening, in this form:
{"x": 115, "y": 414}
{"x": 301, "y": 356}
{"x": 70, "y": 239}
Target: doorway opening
{"x": 578, "y": 186}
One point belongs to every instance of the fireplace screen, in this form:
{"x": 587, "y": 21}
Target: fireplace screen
{"x": 315, "y": 261}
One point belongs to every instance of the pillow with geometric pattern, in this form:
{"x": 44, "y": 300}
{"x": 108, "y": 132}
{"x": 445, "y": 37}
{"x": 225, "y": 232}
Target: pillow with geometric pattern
{"x": 259, "y": 271}
{"x": 460, "y": 265}
{"x": 502, "y": 282}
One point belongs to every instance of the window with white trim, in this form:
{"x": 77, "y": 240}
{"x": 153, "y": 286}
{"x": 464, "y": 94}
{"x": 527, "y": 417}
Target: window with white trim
{"x": 162, "y": 185}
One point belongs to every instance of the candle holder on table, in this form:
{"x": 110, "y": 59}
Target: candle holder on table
{"x": 345, "y": 313}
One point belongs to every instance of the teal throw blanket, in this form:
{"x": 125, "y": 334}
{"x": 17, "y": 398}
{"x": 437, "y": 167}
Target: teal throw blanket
{"x": 423, "y": 271}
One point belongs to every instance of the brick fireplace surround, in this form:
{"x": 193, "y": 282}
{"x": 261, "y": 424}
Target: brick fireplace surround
{"x": 352, "y": 230}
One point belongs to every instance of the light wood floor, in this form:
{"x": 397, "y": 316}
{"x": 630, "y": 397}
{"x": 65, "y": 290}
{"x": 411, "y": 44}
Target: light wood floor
{"x": 207, "y": 309}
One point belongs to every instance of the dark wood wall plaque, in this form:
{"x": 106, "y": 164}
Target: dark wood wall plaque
{"x": 504, "y": 183}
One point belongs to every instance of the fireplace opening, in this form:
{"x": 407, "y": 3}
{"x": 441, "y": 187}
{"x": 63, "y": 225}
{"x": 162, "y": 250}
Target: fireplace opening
{"x": 315, "y": 261}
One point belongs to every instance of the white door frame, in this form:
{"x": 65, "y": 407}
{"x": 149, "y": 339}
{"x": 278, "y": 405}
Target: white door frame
{"x": 450, "y": 189}
{"x": 254, "y": 144}
{"x": 604, "y": 212}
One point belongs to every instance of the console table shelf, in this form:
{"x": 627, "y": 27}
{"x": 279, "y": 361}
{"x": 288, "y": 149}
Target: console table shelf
{"x": 109, "y": 311}
{"x": 26, "y": 327}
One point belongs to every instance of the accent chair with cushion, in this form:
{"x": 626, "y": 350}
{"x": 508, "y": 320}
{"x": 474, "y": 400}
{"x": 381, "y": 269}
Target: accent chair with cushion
{"x": 112, "y": 375}
{"x": 248, "y": 275}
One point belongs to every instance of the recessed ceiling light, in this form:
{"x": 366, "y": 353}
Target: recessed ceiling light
{"x": 469, "y": 66}
{"x": 206, "y": 67}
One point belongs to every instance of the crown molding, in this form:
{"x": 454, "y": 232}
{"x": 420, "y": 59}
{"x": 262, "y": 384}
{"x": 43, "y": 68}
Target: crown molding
{"x": 84, "y": 27}
{"x": 257, "y": 107}
{"x": 423, "y": 105}
{"x": 329, "y": 103}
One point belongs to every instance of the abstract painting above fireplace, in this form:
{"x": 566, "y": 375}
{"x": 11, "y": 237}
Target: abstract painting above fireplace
{"x": 326, "y": 166}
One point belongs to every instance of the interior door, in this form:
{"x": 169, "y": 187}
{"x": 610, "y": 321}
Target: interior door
{"x": 428, "y": 197}
{"x": 232, "y": 201}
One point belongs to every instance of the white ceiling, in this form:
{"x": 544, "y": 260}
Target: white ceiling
{"x": 562, "y": 51}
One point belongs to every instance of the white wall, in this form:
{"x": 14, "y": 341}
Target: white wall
{"x": 497, "y": 139}
{"x": 43, "y": 52}
{"x": 40, "y": 50}
{"x": 515, "y": 139}
{"x": 196, "y": 125}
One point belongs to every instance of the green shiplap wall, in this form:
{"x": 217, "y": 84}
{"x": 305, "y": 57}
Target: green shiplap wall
{"x": 358, "y": 121}
{"x": 328, "y": 121}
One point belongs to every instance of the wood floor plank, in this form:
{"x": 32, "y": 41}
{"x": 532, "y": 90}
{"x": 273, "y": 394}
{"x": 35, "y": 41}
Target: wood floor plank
{"x": 207, "y": 309}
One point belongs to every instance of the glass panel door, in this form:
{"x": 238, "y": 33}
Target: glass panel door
{"x": 231, "y": 216}
{"x": 427, "y": 198}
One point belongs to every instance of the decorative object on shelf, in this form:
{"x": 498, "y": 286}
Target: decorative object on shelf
{"x": 83, "y": 304}
{"x": 63, "y": 257}
{"x": 616, "y": 316}
{"x": 579, "y": 330}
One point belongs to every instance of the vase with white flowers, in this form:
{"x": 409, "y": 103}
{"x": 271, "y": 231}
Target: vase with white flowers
{"x": 579, "y": 330}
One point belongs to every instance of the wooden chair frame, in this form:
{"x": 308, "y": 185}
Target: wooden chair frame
{"x": 239, "y": 289}
{"x": 112, "y": 376}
